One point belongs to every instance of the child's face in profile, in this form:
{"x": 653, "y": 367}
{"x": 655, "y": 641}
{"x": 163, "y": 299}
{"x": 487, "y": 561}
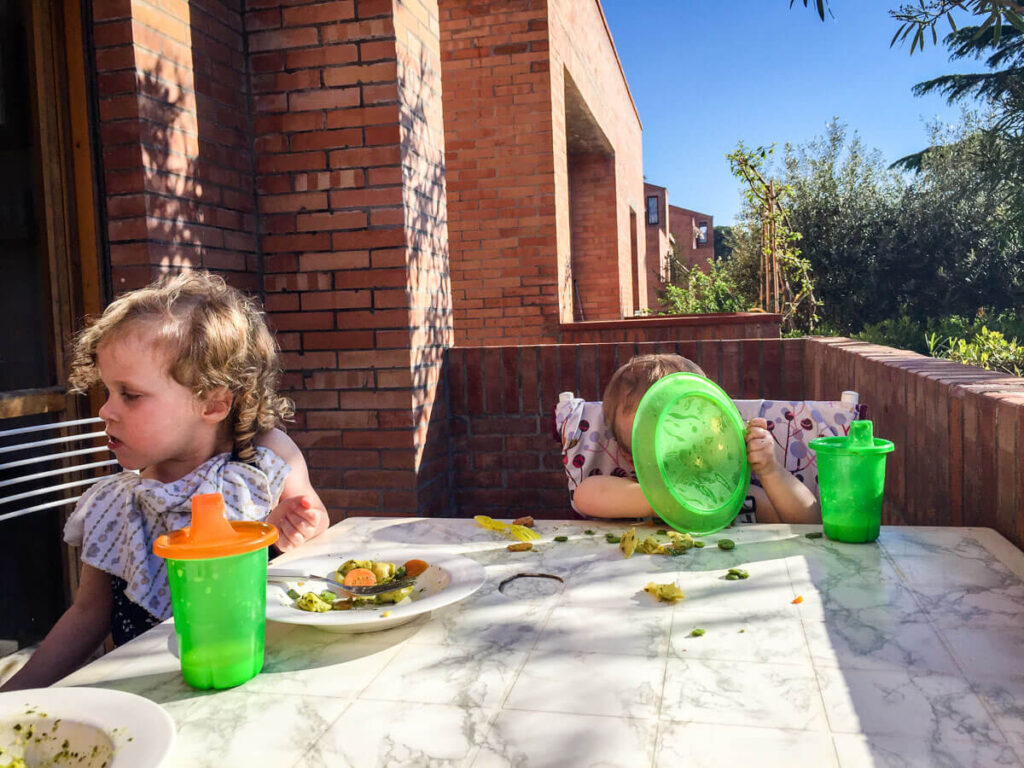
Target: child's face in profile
{"x": 153, "y": 423}
{"x": 624, "y": 428}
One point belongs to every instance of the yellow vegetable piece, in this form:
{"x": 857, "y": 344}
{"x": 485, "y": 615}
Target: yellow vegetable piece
{"x": 649, "y": 546}
{"x": 666, "y": 593}
{"x": 523, "y": 533}
{"x": 523, "y": 547}
{"x": 628, "y": 543}
{"x": 490, "y": 523}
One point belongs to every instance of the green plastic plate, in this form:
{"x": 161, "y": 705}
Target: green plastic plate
{"x": 690, "y": 454}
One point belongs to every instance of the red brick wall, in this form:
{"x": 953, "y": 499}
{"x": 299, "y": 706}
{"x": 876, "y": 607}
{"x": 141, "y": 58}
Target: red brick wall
{"x": 176, "y": 156}
{"x": 683, "y": 223}
{"x": 497, "y": 110}
{"x": 507, "y": 462}
{"x": 595, "y": 254}
{"x": 507, "y": 161}
{"x": 738, "y": 325}
{"x": 345, "y": 94}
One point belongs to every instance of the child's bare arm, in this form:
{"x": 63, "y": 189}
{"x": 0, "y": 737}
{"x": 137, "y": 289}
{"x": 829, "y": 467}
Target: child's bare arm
{"x": 793, "y": 501}
{"x": 299, "y": 515}
{"x": 76, "y": 634}
{"x": 611, "y": 496}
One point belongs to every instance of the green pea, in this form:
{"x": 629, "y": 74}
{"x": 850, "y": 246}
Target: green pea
{"x": 696, "y": 632}
{"x": 327, "y": 596}
{"x": 293, "y": 594}
{"x": 662, "y": 532}
{"x": 739, "y": 573}
{"x": 731, "y": 577}
{"x": 726, "y": 544}
{"x": 699, "y": 544}
{"x": 561, "y": 538}
{"x": 813, "y": 535}
{"x": 611, "y": 539}
{"x": 589, "y": 532}
{"x": 676, "y": 551}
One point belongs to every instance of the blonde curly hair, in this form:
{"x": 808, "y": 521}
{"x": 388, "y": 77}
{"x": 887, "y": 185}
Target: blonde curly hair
{"x": 630, "y": 383}
{"x": 218, "y": 340}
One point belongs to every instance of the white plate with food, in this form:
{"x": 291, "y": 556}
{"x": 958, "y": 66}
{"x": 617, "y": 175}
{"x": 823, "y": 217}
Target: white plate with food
{"x": 83, "y": 727}
{"x": 447, "y": 579}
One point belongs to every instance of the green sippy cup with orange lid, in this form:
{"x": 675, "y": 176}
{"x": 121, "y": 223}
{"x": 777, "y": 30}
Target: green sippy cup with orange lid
{"x": 217, "y": 570}
{"x": 851, "y": 479}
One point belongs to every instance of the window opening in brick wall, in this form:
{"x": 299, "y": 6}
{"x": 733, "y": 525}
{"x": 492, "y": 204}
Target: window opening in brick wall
{"x": 702, "y": 229}
{"x": 652, "y": 210}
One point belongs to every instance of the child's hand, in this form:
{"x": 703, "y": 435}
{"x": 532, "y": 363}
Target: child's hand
{"x": 760, "y": 447}
{"x": 297, "y": 521}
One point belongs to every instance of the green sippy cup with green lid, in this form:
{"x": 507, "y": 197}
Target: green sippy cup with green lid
{"x": 217, "y": 570}
{"x": 851, "y": 480}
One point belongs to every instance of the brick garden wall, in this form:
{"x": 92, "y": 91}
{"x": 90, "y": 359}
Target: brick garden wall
{"x": 736, "y": 325}
{"x": 176, "y": 147}
{"x": 958, "y": 430}
{"x": 506, "y": 461}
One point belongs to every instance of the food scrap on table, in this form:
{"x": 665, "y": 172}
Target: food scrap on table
{"x": 515, "y": 530}
{"x": 696, "y": 632}
{"x": 526, "y": 521}
{"x": 666, "y": 593}
{"x": 522, "y": 546}
{"x": 798, "y": 599}
{"x": 735, "y": 574}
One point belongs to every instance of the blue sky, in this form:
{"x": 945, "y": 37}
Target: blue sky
{"x": 708, "y": 73}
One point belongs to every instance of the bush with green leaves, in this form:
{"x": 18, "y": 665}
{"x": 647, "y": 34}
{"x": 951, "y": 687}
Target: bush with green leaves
{"x": 987, "y": 349}
{"x": 700, "y": 291}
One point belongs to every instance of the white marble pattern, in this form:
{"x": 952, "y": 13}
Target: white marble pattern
{"x": 698, "y": 745}
{"x": 546, "y": 740}
{"x": 905, "y": 652}
{"x": 742, "y": 693}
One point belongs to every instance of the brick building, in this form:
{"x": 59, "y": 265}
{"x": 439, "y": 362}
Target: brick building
{"x": 694, "y": 234}
{"x": 659, "y": 240}
{"x": 299, "y": 148}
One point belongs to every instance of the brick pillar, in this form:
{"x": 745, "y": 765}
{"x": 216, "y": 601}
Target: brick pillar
{"x": 501, "y": 193}
{"x": 176, "y": 158}
{"x": 345, "y": 95}
{"x": 595, "y": 248}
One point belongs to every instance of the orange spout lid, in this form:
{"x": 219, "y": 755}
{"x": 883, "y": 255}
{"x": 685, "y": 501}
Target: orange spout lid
{"x": 211, "y": 534}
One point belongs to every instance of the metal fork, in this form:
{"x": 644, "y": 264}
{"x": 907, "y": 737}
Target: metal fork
{"x": 285, "y": 575}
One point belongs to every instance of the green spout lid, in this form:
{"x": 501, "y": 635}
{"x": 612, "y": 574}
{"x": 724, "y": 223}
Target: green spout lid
{"x": 860, "y": 442}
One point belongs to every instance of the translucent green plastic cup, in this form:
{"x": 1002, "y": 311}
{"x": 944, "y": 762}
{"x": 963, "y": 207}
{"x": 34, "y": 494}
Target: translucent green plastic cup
{"x": 851, "y": 481}
{"x": 217, "y": 572}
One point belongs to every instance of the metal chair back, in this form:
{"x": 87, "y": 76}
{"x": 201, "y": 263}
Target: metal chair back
{"x": 50, "y": 465}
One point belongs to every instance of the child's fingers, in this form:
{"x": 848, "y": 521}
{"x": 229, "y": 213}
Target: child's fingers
{"x": 289, "y": 536}
{"x": 310, "y": 515}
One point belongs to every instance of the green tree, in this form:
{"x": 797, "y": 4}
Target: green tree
{"x": 918, "y": 20}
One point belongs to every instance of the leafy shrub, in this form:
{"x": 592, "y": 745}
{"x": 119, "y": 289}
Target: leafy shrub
{"x": 987, "y": 349}
{"x": 697, "y": 291}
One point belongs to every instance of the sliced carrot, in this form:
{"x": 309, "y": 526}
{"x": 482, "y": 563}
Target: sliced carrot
{"x": 414, "y": 568}
{"x": 798, "y": 599}
{"x": 360, "y": 577}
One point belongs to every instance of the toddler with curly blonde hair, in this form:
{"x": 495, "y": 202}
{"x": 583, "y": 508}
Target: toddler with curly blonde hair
{"x": 191, "y": 372}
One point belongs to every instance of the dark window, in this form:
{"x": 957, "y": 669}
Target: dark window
{"x": 652, "y": 210}
{"x": 703, "y": 236}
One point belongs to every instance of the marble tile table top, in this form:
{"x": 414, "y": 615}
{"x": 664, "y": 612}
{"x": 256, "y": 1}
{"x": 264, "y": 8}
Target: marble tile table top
{"x": 905, "y": 652}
